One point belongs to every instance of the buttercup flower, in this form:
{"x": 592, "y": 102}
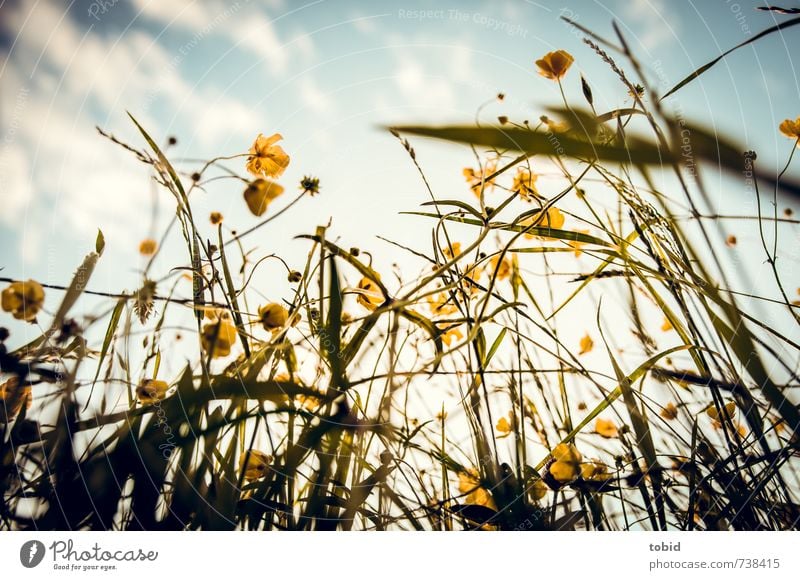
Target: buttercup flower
{"x": 554, "y": 65}
{"x": 369, "y": 294}
{"x": 666, "y": 326}
{"x": 260, "y": 193}
{"x": 478, "y": 179}
{"x": 151, "y": 390}
{"x": 502, "y": 268}
{"x": 791, "y": 129}
{"x": 148, "y": 247}
{"x": 714, "y": 413}
{"x": 440, "y": 304}
{"x": 469, "y": 483}
{"x": 451, "y": 335}
{"x": 606, "y": 428}
{"x": 586, "y": 344}
{"x": 218, "y": 337}
{"x": 215, "y": 217}
{"x": 538, "y": 490}
{"x": 553, "y": 218}
{"x": 254, "y": 464}
{"x": 505, "y": 425}
{"x": 595, "y": 471}
{"x": 266, "y": 158}
{"x": 274, "y": 317}
{"x": 567, "y": 464}
{"x": 23, "y": 300}
{"x": 524, "y": 184}
{"x": 12, "y": 399}
{"x": 452, "y": 251}
{"x": 669, "y": 412}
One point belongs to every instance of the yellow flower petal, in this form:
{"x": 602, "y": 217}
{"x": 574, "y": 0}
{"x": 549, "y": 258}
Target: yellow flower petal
{"x": 586, "y": 344}
{"x": 554, "y": 65}
{"x": 266, "y": 158}
{"x": 23, "y": 300}
{"x": 606, "y": 428}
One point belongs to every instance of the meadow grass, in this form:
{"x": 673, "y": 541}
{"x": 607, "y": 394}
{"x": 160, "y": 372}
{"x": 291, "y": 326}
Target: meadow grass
{"x": 575, "y": 360}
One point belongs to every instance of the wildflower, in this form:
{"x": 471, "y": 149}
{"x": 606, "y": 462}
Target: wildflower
{"x": 669, "y": 411}
{"x": 606, "y": 428}
{"x": 440, "y": 304}
{"x": 595, "y": 471}
{"x": 369, "y": 294}
{"x": 260, "y": 193}
{"x": 254, "y": 464}
{"x": 215, "y": 218}
{"x": 469, "y": 483}
{"x": 554, "y": 65}
{"x": 554, "y": 126}
{"x": 309, "y": 402}
{"x": 150, "y": 391}
{"x": 791, "y": 129}
{"x": 576, "y": 244}
{"x": 273, "y": 316}
{"x": 266, "y": 158}
{"x": 23, "y": 299}
{"x": 552, "y": 218}
{"x": 567, "y": 464}
{"x": 505, "y": 425}
{"x": 666, "y": 326}
{"x": 538, "y": 490}
{"x": 713, "y": 412}
{"x": 452, "y": 251}
{"x": 478, "y": 180}
{"x": 638, "y": 91}
{"x": 730, "y": 241}
{"x": 295, "y": 276}
{"x": 524, "y": 184}
{"x": 148, "y": 247}
{"x": 218, "y": 337}
{"x": 310, "y": 185}
{"x": 12, "y": 398}
{"x": 586, "y": 344}
{"x": 501, "y": 268}
{"x": 452, "y": 334}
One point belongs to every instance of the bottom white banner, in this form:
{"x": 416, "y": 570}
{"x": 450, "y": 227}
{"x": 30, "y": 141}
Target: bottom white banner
{"x": 374, "y": 555}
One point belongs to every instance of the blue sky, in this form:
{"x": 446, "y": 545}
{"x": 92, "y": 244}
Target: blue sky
{"x": 327, "y": 75}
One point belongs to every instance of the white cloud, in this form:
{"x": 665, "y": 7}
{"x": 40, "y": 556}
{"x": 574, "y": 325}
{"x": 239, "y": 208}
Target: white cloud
{"x": 648, "y": 20}
{"x": 313, "y": 97}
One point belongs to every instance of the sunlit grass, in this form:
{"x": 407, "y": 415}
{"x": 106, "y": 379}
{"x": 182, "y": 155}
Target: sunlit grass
{"x": 569, "y": 353}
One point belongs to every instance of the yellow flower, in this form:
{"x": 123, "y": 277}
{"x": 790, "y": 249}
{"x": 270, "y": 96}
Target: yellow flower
{"x": 215, "y": 218}
{"x": 567, "y": 464}
{"x": 23, "y": 299}
{"x": 576, "y": 244}
{"x": 595, "y": 471}
{"x": 666, "y": 326}
{"x": 606, "y": 428}
{"x": 552, "y": 218}
{"x": 151, "y": 390}
{"x": 266, "y": 158}
{"x": 369, "y": 294}
{"x": 669, "y": 411}
{"x": 505, "y": 425}
{"x": 791, "y": 129}
{"x": 538, "y": 490}
{"x": 218, "y": 337}
{"x": 254, "y": 464}
{"x": 502, "y": 269}
{"x": 469, "y": 483}
{"x": 479, "y": 179}
{"x": 273, "y": 316}
{"x": 454, "y": 253}
{"x": 554, "y": 65}
{"x": 524, "y": 184}
{"x": 12, "y": 399}
{"x": 714, "y": 413}
{"x": 586, "y": 344}
{"x": 148, "y": 247}
{"x": 441, "y": 304}
{"x": 453, "y": 334}
{"x": 260, "y": 193}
